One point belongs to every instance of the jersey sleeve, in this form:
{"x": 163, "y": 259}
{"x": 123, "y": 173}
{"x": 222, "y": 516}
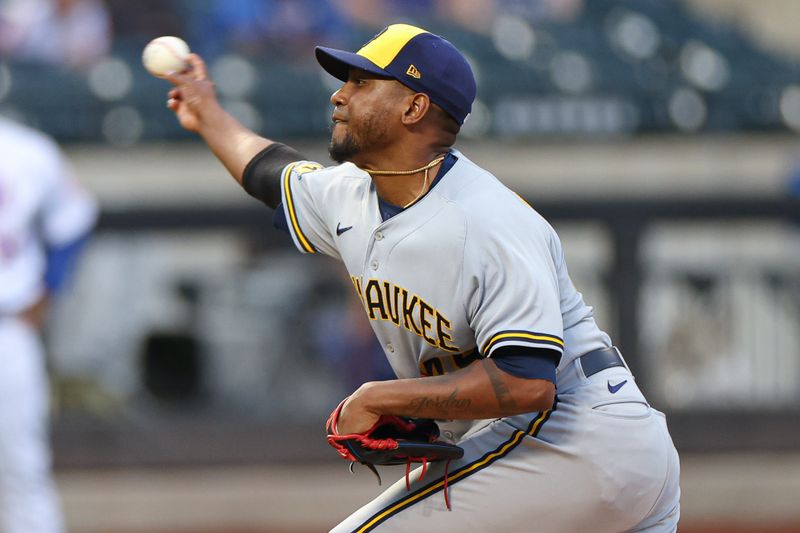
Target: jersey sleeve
{"x": 68, "y": 211}
{"x": 511, "y": 282}
{"x": 301, "y": 199}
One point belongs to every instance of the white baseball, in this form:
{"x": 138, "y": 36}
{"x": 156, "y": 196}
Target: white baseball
{"x": 166, "y": 54}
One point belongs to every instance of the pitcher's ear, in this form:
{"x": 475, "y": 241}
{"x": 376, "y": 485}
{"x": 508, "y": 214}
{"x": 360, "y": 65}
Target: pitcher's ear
{"x": 418, "y": 106}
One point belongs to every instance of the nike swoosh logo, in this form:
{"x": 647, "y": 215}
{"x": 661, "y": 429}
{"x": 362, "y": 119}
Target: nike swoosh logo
{"x": 614, "y": 388}
{"x": 340, "y": 229}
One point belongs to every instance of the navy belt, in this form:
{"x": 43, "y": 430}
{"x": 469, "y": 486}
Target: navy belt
{"x": 597, "y": 360}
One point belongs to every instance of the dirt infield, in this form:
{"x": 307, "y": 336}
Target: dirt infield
{"x": 708, "y": 528}
{"x": 735, "y": 528}
{"x": 721, "y": 494}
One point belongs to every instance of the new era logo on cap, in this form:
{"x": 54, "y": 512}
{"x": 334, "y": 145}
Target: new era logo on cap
{"x": 413, "y": 72}
{"x": 404, "y": 52}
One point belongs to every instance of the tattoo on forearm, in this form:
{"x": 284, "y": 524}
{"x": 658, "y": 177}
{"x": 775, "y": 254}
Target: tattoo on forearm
{"x": 501, "y": 390}
{"x": 445, "y": 404}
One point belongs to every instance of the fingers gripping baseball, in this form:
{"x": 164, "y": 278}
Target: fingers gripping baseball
{"x": 192, "y": 95}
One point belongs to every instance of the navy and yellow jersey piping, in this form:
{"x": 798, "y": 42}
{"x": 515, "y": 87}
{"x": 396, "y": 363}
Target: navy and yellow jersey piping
{"x": 458, "y": 475}
{"x": 301, "y": 240}
{"x": 525, "y": 338}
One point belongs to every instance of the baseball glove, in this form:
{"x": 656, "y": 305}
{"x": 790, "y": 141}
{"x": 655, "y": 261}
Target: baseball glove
{"x": 393, "y": 440}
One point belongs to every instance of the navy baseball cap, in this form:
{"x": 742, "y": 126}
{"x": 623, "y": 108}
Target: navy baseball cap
{"x": 418, "y": 59}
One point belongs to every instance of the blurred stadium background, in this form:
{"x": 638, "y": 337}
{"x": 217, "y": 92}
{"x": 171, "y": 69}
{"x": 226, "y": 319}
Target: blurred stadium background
{"x": 195, "y": 356}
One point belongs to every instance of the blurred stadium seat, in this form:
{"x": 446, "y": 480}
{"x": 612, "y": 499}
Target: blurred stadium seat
{"x": 674, "y": 72}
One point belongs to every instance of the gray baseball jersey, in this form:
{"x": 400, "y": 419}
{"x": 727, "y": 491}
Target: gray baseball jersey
{"x": 466, "y": 270}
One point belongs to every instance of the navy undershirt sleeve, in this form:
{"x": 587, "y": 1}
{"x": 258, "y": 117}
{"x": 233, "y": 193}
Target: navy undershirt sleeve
{"x": 261, "y": 177}
{"x": 279, "y": 218}
{"x": 525, "y": 362}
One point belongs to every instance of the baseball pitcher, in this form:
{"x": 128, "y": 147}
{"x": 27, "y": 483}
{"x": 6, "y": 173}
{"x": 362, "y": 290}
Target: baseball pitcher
{"x": 466, "y": 287}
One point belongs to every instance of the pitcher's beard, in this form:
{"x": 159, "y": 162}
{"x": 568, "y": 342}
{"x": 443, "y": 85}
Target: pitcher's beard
{"x": 343, "y": 150}
{"x": 373, "y": 134}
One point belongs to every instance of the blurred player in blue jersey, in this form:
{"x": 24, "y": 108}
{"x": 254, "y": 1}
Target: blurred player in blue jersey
{"x": 45, "y": 218}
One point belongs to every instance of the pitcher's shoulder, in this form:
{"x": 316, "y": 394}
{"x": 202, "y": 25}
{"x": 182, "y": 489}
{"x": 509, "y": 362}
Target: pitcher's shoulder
{"x": 344, "y": 179}
{"x": 483, "y": 198}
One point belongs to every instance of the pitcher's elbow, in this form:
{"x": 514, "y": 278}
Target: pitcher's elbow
{"x": 542, "y": 395}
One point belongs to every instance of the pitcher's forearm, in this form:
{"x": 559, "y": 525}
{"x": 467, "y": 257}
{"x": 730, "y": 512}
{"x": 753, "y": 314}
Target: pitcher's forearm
{"x": 478, "y": 391}
{"x": 230, "y": 141}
